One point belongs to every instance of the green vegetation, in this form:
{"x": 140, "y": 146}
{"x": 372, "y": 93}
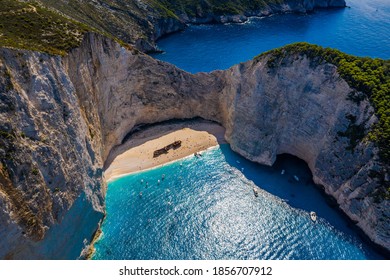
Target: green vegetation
{"x": 57, "y": 26}
{"x": 31, "y": 26}
{"x": 366, "y": 75}
{"x": 35, "y": 171}
{"x": 121, "y": 20}
{"x": 218, "y": 7}
{"x": 355, "y": 132}
{"x": 163, "y": 9}
{"x": 6, "y": 135}
{"x": 34, "y": 27}
{"x": 30, "y": 222}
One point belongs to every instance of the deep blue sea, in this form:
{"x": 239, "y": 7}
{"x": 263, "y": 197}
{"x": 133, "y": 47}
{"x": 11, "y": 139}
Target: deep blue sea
{"x": 363, "y": 30}
{"x": 206, "y": 208}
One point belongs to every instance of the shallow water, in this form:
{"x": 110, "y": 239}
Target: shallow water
{"x": 206, "y": 209}
{"x": 362, "y": 30}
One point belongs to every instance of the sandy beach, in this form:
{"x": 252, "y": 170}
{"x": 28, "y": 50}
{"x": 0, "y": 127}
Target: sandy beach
{"x": 136, "y": 153}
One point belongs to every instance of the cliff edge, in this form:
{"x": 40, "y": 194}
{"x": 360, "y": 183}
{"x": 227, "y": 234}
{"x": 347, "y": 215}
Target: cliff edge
{"x": 61, "y": 116}
{"x": 142, "y": 23}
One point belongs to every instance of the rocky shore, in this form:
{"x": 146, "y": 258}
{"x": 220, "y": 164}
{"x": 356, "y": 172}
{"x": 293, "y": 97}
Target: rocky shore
{"x": 165, "y": 26}
{"x": 62, "y": 116}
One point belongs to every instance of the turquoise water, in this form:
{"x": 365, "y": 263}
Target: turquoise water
{"x": 362, "y": 30}
{"x": 206, "y": 209}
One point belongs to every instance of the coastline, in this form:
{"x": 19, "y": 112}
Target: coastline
{"x": 165, "y": 28}
{"x": 196, "y": 136}
{"x": 136, "y": 154}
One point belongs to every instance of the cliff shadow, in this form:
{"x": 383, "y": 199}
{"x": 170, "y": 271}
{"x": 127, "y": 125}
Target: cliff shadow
{"x": 290, "y": 180}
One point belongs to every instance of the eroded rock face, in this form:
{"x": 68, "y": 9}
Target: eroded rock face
{"x": 72, "y": 111}
{"x": 303, "y": 109}
{"x": 205, "y": 14}
{"x": 49, "y": 160}
{"x": 142, "y": 22}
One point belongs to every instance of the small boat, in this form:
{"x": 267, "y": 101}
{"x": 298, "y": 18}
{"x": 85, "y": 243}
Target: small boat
{"x": 313, "y": 216}
{"x": 255, "y": 192}
{"x": 158, "y": 182}
{"x": 282, "y": 172}
{"x": 163, "y": 177}
{"x": 140, "y": 194}
{"x": 238, "y": 161}
{"x": 296, "y": 178}
{"x": 142, "y": 181}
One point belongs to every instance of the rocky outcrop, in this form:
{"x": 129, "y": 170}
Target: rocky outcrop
{"x": 142, "y": 23}
{"x": 303, "y": 109}
{"x": 206, "y": 15}
{"x": 51, "y": 186}
{"x": 60, "y": 118}
{"x": 203, "y": 14}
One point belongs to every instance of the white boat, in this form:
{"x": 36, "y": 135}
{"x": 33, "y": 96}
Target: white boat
{"x": 282, "y": 172}
{"x": 255, "y": 192}
{"x": 296, "y": 178}
{"x": 313, "y": 216}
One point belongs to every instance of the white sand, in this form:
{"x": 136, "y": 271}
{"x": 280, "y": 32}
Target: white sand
{"x": 137, "y": 153}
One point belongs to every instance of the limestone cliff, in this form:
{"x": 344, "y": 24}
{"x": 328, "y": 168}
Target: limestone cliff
{"x": 61, "y": 116}
{"x": 303, "y": 109}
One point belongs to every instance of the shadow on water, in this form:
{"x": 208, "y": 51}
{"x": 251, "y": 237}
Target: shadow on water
{"x": 151, "y": 131}
{"x": 304, "y": 194}
{"x": 204, "y": 208}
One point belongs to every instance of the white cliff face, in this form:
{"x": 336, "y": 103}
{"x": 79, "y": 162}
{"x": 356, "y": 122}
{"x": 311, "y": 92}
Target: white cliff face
{"x": 48, "y": 158}
{"x": 298, "y": 108}
{"x": 74, "y": 110}
{"x": 303, "y": 109}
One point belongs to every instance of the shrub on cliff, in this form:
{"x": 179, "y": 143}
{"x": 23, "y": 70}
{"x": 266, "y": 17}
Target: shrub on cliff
{"x": 30, "y": 26}
{"x": 369, "y": 77}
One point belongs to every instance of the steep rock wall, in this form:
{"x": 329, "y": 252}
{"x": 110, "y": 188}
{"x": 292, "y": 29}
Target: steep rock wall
{"x": 142, "y": 22}
{"x": 60, "y": 117}
{"x": 303, "y": 109}
{"x": 49, "y": 161}
{"x": 298, "y": 107}
{"x": 206, "y": 15}
{"x": 130, "y": 89}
